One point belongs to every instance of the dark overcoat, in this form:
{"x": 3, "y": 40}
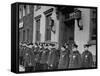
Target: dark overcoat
{"x": 64, "y": 60}
{"x": 87, "y": 59}
{"x": 44, "y": 56}
{"x": 53, "y": 58}
{"x": 75, "y": 60}
{"x": 27, "y": 57}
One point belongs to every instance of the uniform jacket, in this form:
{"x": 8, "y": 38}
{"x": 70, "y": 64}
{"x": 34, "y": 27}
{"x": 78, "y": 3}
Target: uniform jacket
{"x": 87, "y": 59}
{"x": 53, "y": 57}
{"x": 75, "y": 60}
{"x": 44, "y": 56}
{"x": 32, "y": 57}
{"x": 64, "y": 60}
{"x": 28, "y": 57}
{"x": 26, "y": 60}
{"x": 21, "y": 51}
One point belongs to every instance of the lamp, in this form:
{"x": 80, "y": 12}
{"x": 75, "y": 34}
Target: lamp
{"x": 79, "y": 22}
{"x": 79, "y": 19}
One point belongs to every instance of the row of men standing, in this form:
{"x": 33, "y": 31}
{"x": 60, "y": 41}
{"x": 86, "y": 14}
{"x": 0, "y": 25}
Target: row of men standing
{"x": 43, "y": 56}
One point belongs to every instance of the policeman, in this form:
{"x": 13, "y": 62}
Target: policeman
{"x": 32, "y": 63}
{"x": 41, "y": 49}
{"x": 36, "y": 48}
{"x": 87, "y": 59}
{"x": 57, "y": 50}
{"x": 36, "y": 53}
{"x": 75, "y": 58}
{"x": 52, "y": 58}
{"x": 20, "y": 55}
{"x": 70, "y": 43}
{"x": 67, "y": 48}
{"x": 64, "y": 58}
{"x": 26, "y": 59}
{"x": 38, "y": 58}
{"x": 44, "y": 57}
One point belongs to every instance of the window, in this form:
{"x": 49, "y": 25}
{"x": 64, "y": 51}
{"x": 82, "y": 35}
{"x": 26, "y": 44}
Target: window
{"x": 48, "y": 14}
{"x": 23, "y": 35}
{"x": 24, "y": 7}
{"x": 28, "y": 9}
{"x": 93, "y": 26}
{"x": 25, "y": 10}
{"x": 38, "y": 30}
{"x": 27, "y": 34}
{"x": 48, "y": 28}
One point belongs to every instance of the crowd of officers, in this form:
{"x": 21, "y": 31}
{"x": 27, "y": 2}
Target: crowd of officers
{"x": 47, "y": 56}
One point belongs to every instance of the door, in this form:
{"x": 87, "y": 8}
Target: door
{"x": 68, "y": 33}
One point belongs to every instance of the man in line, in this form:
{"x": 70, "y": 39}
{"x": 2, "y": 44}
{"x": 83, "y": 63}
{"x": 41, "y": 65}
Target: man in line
{"x": 87, "y": 59}
{"x": 44, "y": 57}
{"x": 52, "y": 58}
{"x": 64, "y": 58}
{"x": 75, "y": 58}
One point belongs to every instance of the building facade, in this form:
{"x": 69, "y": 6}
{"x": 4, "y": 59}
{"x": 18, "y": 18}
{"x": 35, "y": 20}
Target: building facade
{"x": 26, "y": 23}
{"x": 42, "y": 24}
{"x": 61, "y": 24}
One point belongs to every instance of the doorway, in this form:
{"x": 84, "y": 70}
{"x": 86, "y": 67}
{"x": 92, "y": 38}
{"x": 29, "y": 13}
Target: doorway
{"x": 68, "y": 33}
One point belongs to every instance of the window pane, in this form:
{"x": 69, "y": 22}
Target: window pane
{"x": 48, "y": 30}
{"x": 28, "y": 9}
{"x": 38, "y": 30}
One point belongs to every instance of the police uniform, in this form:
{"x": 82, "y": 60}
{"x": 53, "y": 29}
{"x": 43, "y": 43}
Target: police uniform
{"x": 37, "y": 59}
{"x": 57, "y": 58}
{"x": 36, "y": 53}
{"x": 44, "y": 58}
{"x": 64, "y": 60}
{"x": 39, "y": 66}
{"x": 32, "y": 59}
{"x": 52, "y": 59}
{"x": 20, "y": 55}
{"x": 26, "y": 62}
{"x": 75, "y": 60}
{"x": 87, "y": 59}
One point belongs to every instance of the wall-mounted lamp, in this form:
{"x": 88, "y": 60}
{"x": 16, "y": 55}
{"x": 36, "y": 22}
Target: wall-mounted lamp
{"x": 79, "y": 19}
{"x": 80, "y": 25}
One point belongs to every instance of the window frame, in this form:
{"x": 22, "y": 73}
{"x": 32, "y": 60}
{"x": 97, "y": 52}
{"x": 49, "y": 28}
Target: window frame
{"x": 47, "y": 13}
{"x": 38, "y": 30}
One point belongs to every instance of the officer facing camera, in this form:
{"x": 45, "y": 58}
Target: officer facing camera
{"x": 64, "y": 58}
{"x": 75, "y": 58}
{"x": 87, "y": 59}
